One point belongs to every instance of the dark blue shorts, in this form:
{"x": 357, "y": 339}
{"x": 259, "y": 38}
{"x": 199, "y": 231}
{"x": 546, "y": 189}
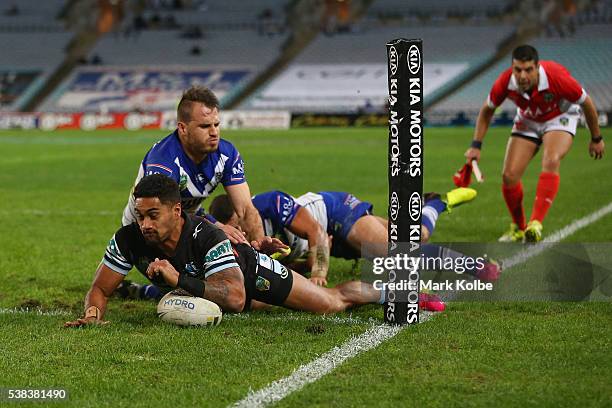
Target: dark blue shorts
{"x": 343, "y": 211}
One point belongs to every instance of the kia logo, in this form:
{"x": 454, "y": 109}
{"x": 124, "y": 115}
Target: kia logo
{"x": 414, "y": 59}
{"x": 394, "y": 206}
{"x": 393, "y": 60}
{"x": 415, "y": 206}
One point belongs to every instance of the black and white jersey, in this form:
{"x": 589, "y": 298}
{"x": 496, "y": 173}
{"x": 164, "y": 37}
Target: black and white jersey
{"x": 202, "y": 250}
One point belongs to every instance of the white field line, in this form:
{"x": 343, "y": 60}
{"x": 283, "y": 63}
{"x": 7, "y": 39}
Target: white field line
{"x": 34, "y": 311}
{"x": 313, "y": 371}
{"x": 304, "y": 318}
{"x": 557, "y": 236}
{"x": 8, "y": 213}
{"x": 294, "y": 317}
{"x": 316, "y": 369}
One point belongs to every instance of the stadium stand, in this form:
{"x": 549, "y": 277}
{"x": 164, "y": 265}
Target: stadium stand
{"x": 586, "y": 54}
{"x": 440, "y": 8}
{"x": 30, "y": 15}
{"x": 218, "y": 39}
{"x": 33, "y": 44}
{"x": 238, "y": 47}
{"x": 449, "y": 52}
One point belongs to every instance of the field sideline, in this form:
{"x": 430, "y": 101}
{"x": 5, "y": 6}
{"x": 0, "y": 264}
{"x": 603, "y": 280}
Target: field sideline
{"x": 63, "y": 194}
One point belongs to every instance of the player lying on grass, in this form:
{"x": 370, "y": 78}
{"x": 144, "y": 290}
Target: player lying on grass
{"x": 547, "y": 99}
{"x": 304, "y": 224}
{"x": 196, "y": 157}
{"x": 176, "y": 250}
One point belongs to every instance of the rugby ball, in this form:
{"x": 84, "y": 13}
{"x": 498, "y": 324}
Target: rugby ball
{"x": 188, "y": 310}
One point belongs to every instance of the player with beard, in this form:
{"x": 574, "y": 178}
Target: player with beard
{"x": 196, "y": 157}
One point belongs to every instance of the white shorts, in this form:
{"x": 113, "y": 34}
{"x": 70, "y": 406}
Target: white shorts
{"x": 532, "y": 130}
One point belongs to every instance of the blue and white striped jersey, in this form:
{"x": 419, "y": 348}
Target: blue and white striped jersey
{"x": 196, "y": 181}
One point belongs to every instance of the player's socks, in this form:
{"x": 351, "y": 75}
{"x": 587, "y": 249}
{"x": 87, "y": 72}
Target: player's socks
{"x": 431, "y": 211}
{"x": 548, "y": 185}
{"x": 431, "y": 302}
{"x": 150, "y": 292}
{"x": 489, "y": 271}
{"x": 383, "y": 297}
{"x": 514, "y": 200}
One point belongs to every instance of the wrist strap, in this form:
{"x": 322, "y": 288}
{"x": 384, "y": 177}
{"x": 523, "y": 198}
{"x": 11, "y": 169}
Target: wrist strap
{"x": 210, "y": 218}
{"x": 597, "y": 139}
{"x": 192, "y": 285}
{"x": 476, "y": 144}
{"x": 93, "y": 311}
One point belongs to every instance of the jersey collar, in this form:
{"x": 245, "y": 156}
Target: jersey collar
{"x": 542, "y": 81}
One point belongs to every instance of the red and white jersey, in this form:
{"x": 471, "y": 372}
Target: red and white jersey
{"x": 557, "y": 91}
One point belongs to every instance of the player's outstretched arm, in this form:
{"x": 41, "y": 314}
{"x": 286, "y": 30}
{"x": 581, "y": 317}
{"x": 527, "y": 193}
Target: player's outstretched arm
{"x": 482, "y": 125}
{"x": 305, "y": 226}
{"x": 597, "y": 145}
{"x": 248, "y": 217}
{"x": 105, "y": 282}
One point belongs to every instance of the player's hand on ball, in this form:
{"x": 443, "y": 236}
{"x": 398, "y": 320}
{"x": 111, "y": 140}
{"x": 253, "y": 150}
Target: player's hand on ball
{"x": 596, "y": 150}
{"x": 269, "y": 245}
{"x": 472, "y": 154}
{"x": 235, "y": 235}
{"x": 319, "y": 280}
{"x": 165, "y": 269}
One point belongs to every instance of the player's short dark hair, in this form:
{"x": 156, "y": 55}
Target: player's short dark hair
{"x": 525, "y": 53}
{"x": 160, "y": 186}
{"x": 192, "y": 95}
{"x": 221, "y": 208}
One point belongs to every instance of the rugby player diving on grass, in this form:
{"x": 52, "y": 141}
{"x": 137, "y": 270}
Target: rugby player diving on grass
{"x": 306, "y": 222}
{"x": 176, "y": 250}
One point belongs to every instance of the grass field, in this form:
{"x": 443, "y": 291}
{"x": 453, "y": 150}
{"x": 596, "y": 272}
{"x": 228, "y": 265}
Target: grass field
{"x": 62, "y": 198}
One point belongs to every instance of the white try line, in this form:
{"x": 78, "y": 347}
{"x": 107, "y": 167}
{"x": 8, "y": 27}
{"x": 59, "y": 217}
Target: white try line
{"x": 304, "y": 318}
{"x": 316, "y": 369}
{"x": 34, "y": 311}
{"x": 323, "y": 365}
{"x": 47, "y": 213}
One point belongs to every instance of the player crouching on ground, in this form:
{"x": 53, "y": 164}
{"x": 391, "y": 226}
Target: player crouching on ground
{"x": 176, "y": 250}
{"x": 304, "y": 224}
{"x": 547, "y": 99}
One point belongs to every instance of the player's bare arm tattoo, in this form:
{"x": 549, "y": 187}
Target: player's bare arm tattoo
{"x": 321, "y": 258}
{"x": 223, "y": 287}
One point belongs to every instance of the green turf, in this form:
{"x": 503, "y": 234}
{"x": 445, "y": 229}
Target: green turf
{"x": 62, "y": 197}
